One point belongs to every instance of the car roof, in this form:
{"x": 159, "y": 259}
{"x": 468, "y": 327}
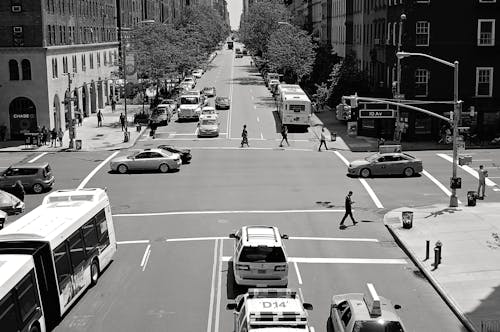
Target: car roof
{"x": 208, "y": 117}
{"x": 261, "y": 235}
{"x": 360, "y": 310}
{"x": 30, "y": 165}
{"x": 151, "y": 150}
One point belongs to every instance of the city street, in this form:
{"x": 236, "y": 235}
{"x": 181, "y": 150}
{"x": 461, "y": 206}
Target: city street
{"x": 172, "y": 270}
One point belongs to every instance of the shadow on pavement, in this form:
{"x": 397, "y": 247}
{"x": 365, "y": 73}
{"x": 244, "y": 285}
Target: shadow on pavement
{"x": 441, "y": 212}
{"x": 232, "y": 289}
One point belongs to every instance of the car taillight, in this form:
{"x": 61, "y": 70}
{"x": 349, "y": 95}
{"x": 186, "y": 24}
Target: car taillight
{"x": 242, "y": 267}
{"x": 280, "y": 268}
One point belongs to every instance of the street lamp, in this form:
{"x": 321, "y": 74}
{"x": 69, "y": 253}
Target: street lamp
{"x": 456, "y": 115}
{"x": 397, "y": 95}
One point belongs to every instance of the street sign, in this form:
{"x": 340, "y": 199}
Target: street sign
{"x": 399, "y": 96}
{"x": 379, "y": 114}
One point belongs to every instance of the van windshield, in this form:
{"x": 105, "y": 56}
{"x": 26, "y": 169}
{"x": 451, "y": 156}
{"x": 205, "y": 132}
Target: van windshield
{"x": 189, "y": 100}
{"x": 262, "y": 254}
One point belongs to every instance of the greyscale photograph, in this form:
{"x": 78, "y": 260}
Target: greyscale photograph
{"x": 249, "y": 166}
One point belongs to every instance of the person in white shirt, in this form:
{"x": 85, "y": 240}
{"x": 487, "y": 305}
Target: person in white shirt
{"x": 322, "y": 139}
{"x": 482, "y": 175}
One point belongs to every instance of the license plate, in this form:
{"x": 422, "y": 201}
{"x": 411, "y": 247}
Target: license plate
{"x": 261, "y": 271}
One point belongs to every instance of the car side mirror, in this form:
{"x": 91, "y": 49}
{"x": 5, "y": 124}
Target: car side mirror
{"x": 334, "y": 306}
{"x": 284, "y": 236}
{"x": 231, "y": 306}
{"x": 307, "y": 306}
{"x": 233, "y": 236}
{"x": 397, "y": 306}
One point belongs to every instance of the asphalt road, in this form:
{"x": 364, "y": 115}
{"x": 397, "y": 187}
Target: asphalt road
{"x": 171, "y": 271}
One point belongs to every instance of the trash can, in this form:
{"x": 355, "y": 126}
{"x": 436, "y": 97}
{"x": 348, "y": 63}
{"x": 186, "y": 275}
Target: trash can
{"x": 138, "y": 127}
{"x": 27, "y": 139}
{"x": 471, "y": 198}
{"x": 407, "y": 218}
{"x": 78, "y": 144}
{"x": 333, "y": 137}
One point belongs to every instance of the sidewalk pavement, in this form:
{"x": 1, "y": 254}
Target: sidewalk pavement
{"x": 108, "y": 137}
{"x": 468, "y": 277}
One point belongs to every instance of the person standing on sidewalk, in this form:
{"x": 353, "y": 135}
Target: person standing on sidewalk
{"x": 348, "y": 210}
{"x": 53, "y": 137}
{"x": 322, "y": 139}
{"x": 284, "y": 136}
{"x": 482, "y": 175}
{"x": 99, "y": 118}
{"x": 60, "y": 135}
{"x": 244, "y": 136}
{"x": 122, "y": 121}
{"x": 113, "y": 104}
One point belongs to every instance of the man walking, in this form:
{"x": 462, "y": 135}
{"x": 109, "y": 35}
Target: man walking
{"x": 482, "y": 175}
{"x": 99, "y": 118}
{"x": 284, "y": 136}
{"x": 122, "y": 121}
{"x": 348, "y": 210}
{"x": 322, "y": 139}
{"x": 244, "y": 136}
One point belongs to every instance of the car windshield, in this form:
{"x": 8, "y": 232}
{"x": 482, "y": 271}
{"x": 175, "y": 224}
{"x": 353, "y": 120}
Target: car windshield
{"x": 262, "y": 254}
{"x": 222, "y": 100}
{"x": 6, "y": 199}
{"x": 409, "y": 155}
{"x": 377, "y": 326}
{"x": 189, "y": 100}
{"x": 208, "y": 111}
{"x": 373, "y": 157}
{"x": 208, "y": 122}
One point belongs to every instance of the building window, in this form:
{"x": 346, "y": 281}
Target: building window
{"x": 486, "y": 32}
{"x": 55, "y": 74}
{"x": 74, "y": 64}
{"x": 389, "y": 33}
{"x": 49, "y": 35}
{"x": 484, "y": 81}
{"x": 422, "y": 33}
{"x": 84, "y": 65}
{"x": 91, "y": 60}
{"x": 423, "y": 1}
{"x": 105, "y": 58}
{"x": 26, "y": 69}
{"x": 98, "y": 59}
{"x": 13, "y": 70}
{"x": 421, "y": 82}
{"x": 65, "y": 64}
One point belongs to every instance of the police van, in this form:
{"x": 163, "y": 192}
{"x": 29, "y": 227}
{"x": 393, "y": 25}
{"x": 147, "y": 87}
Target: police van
{"x": 270, "y": 309}
{"x": 364, "y": 312}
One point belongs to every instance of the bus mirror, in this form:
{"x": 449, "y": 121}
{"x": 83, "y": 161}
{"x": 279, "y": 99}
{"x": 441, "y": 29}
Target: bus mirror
{"x": 232, "y": 236}
{"x": 307, "y": 306}
{"x": 231, "y": 306}
{"x": 284, "y": 236}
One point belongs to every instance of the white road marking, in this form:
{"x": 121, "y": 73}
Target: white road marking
{"x": 365, "y": 184}
{"x": 132, "y": 242}
{"x": 177, "y": 213}
{"x": 299, "y": 278}
{"x": 246, "y": 148}
{"x": 212, "y": 290}
{"x": 145, "y": 258}
{"x": 495, "y": 189}
{"x": 255, "y": 106}
{"x": 302, "y": 299}
{"x": 37, "y": 157}
{"x": 439, "y": 184}
{"x": 347, "y": 239}
{"x": 476, "y": 160}
{"x": 219, "y": 290}
{"x": 185, "y": 239}
{"x": 230, "y": 100}
{"x": 258, "y": 120}
{"x": 468, "y": 169}
{"x": 261, "y": 136}
{"x": 91, "y": 174}
{"x": 331, "y": 260}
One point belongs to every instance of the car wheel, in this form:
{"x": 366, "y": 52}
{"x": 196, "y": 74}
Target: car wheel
{"x": 164, "y": 168}
{"x": 94, "y": 272}
{"x": 365, "y": 172}
{"x": 37, "y": 188}
{"x": 122, "y": 169}
{"x": 35, "y": 328}
{"x": 408, "y": 172}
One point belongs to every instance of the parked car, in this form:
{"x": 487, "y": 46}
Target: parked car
{"x": 197, "y": 73}
{"x": 147, "y": 159}
{"x": 189, "y": 82}
{"x": 10, "y": 204}
{"x": 222, "y": 103}
{"x": 239, "y": 55}
{"x": 386, "y": 164}
{"x": 162, "y": 114}
{"x": 36, "y": 177}
{"x": 209, "y": 91}
{"x": 184, "y": 153}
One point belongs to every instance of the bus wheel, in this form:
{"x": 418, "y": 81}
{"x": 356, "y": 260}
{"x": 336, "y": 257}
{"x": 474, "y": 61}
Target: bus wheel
{"x": 35, "y": 328}
{"x": 94, "y": 272}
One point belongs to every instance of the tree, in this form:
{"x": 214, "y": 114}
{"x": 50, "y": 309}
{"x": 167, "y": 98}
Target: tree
{"x": 290, "y": 51}
{"x": 261, "y": 21}
{"x": 346, "y": 78}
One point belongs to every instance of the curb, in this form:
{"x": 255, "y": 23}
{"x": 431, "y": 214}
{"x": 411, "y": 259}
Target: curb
{"x": 441, "y": 291}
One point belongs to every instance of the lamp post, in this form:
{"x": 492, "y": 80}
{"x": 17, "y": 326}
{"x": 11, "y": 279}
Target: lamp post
{"x": 67, "y": 101}
{"x": 457, "y": 105}
{"x": 397, "y": 95}
{"x": 124, "y": 69}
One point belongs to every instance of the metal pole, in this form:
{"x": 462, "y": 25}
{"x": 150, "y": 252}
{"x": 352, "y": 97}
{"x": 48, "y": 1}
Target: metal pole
{"x": 72, "y": 130}
{"x": 397, "y": 129}
{"x": 456, "y": 119}
{"x": 125, "y": 133}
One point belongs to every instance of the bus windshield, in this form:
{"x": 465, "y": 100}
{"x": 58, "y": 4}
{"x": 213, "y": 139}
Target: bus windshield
{"x": 189, "y": 100}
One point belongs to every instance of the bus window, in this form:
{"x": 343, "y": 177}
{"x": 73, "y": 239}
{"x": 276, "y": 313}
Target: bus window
{"x": 90, "y": 237}
{"x": 63, "y": 268}
{"x": 76, "y": 249}
{"x": 102, "y": 227}
{"x": 27, "y": 297}
{"x": 8, "y": 320}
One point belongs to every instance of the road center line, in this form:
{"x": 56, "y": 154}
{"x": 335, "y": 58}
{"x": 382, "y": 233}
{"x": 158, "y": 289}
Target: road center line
{"x": 145, "y": 258}
{"x": 347, "y": 239}
{"x": 299, "y": 278}
{"x": 365, "y": 184}
{"x": 177, "y": 213}
{"x": 340, "y": 260}
{"x": 468, "y": 169}
{"x": 219, "y": 290}
{"x": 132, "y": 242}
{"x": 91, "y": 174}
{"x": 211, "y": 306}
{"x": 37, "y": 157}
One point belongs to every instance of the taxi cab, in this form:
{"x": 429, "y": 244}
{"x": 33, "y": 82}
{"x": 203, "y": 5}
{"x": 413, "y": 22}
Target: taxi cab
{"x": 368, "y": 312}
{"x": 259, "y": 257}
{"x": 208, "y": 126}
{"x": 270, "y": 309}
{"x": 209, "y": 110}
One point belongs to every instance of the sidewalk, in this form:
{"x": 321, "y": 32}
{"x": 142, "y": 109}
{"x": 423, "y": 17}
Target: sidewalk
{"x": 108, "y": 137}
{"x": 468, "y": 277}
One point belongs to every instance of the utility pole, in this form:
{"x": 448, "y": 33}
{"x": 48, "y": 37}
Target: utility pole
{"x": 457, "y": 112}
{"x": 124, "y": 69}
{"x": 67, "y": 101}
{"x": 397, "y": 95}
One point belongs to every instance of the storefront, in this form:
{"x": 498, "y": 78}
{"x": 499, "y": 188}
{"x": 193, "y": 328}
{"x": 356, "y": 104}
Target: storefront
{"x": 22, "y": 116}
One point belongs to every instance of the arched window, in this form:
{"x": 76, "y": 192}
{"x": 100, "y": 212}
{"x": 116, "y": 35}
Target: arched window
{"x": 13, "y": 70}
{"x": 26, "y": 69}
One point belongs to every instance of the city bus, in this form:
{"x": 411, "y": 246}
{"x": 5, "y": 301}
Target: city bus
{"x": 20, "y": 302}
{"x": 294, "y": 107}
{"x": 70, "y": 238}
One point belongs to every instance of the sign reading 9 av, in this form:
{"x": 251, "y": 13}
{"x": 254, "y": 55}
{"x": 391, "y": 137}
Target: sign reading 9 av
{"x": 378, "y": 114}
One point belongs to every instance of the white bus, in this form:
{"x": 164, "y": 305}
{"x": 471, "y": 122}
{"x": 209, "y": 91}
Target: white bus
{"x": 71, "y": 239}
{"x": 20, "y": 303}
{"x": 294, "y": 107}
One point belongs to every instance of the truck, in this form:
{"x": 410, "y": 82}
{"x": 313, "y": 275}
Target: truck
{"x": 230, "y": 45}
{"x": 270, "y": 309}
{"x": 190, "y": 104}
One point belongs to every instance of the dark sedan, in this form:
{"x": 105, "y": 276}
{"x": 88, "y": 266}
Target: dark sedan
{"x": 386, "y": 164}
{"x": 10, "y": 203}
{"x": 222, "y": 103}
{"x": 184, "y": 153}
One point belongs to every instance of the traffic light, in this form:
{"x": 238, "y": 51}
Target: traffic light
{"x": 347, "y": 112}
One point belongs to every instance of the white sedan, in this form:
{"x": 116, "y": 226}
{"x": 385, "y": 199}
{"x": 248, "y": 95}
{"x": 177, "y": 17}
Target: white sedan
{"x": 197, "y": 73}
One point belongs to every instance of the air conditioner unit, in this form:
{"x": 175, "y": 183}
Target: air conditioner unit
{"x": 18, "y": 29}
{"x": 16, "y": 9}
